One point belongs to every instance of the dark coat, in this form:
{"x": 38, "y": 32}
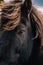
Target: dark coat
{"x": 22, "y": 45}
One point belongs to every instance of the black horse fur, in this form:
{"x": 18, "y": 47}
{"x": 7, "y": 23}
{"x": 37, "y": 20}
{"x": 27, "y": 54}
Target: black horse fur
{"x": 17, "y": 46}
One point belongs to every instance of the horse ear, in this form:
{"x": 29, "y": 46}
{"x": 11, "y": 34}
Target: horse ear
{"x": 28, "y": 4}
{"x": 26, "y": 7}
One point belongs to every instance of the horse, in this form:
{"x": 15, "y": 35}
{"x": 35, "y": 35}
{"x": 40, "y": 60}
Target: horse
{"x": 21, "y": 45}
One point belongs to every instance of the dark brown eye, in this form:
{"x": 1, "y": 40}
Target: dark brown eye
{"x": 9, "y": 9}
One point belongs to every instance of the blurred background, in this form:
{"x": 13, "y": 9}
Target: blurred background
{"x": 38, "y": 4}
